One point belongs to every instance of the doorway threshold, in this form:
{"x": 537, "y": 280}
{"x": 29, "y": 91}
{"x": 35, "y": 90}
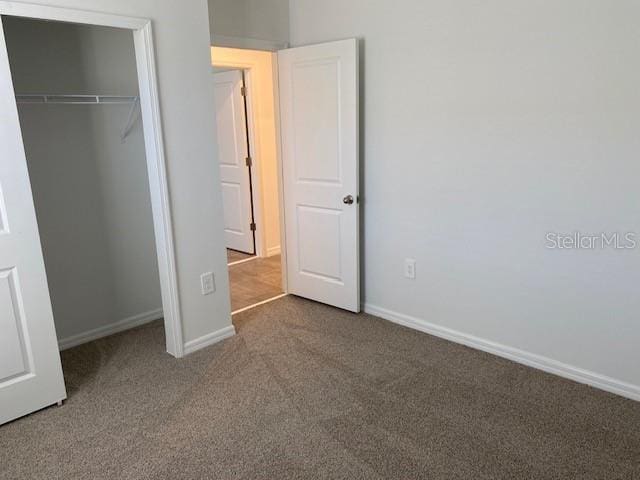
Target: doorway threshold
{"x": 244, "y": 260}
{"x": 268, "y": 300}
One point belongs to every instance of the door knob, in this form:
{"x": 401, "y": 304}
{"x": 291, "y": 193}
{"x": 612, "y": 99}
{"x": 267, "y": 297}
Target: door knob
{"x": 348, "y": 200}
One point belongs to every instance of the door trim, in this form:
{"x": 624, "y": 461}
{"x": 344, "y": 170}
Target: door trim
{"x": 153, "y": 140}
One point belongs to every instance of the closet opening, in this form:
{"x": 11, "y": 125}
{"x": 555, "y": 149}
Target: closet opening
{"x": 245, "y": 108}
{"x": 78, "y": 98}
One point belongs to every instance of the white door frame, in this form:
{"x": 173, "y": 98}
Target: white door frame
{"x": 253, "y": 122}
{"x": 153, "y": 140}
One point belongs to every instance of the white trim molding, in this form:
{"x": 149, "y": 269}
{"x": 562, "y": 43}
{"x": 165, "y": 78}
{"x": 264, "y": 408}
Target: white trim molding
{"x": 105, "y": 331}
{"x": 539, "y": 362}
{"x": 60, "y": 14}
{"x": 272, "y": 251}
{"x": 208, "y": 339}
{"x": 159, "y": 188}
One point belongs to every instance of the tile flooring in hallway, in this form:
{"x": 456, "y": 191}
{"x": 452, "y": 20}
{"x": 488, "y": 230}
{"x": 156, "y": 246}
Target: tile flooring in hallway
{"x": 255, "y": 281}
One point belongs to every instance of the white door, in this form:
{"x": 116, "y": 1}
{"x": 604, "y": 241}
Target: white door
{"x": 233, "y": 155}
{"x": 319, "y": 129}
{"x": 30, "y": 369}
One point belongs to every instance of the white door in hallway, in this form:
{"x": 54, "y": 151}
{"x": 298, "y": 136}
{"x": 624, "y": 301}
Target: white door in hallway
{"x": 30, "y": 368}
{"x": 232, "y": 156}
{"x": 319, "y": 130}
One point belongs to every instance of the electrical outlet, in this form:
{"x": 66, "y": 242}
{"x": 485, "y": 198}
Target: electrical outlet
{"x": 410, "y": 268}
{"x": 207, "y": 283}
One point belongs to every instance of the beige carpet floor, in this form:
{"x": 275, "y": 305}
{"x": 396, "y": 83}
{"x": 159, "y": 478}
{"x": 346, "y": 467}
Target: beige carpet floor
{"x": 305, "y": 391}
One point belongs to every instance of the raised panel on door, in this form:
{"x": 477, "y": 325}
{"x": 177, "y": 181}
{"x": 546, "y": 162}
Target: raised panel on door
{"x": 316, "y": 110}
{"x": 232, "y": 154}
{"x": 319, "y": 129}
{"x": 4, "y": 227}
{"x": 319, "y": 245}
{"x": 232, "y": 199}
{"x": 14, "y": 354}
{"x": 30, "y": 368}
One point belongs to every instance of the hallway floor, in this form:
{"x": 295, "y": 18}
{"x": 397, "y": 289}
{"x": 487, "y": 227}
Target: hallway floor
{"x": 255, "y": 281}
{"x": 306, "y": 391}
{"x": 236, "y": 256}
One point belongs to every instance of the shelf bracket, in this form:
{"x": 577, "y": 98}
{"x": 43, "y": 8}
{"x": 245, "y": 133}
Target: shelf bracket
{"x": 131, "y": 119}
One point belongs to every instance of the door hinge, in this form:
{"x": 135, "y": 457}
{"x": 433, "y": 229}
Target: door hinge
{"x": 252, "y": 226}
{"x": 249, "y": 162}
{"x": 243, "y": 91}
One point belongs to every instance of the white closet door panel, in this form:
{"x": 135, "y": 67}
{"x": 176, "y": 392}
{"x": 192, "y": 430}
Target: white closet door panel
{"x": 30, "y": 368}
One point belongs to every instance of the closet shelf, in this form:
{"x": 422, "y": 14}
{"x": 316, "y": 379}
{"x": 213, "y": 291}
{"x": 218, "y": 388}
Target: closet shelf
{"x": 76, "y": 99}
{"x": 42, "y": 99}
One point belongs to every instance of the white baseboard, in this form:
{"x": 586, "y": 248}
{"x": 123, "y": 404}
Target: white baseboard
{"x": 209, "y": 339}
{"x": 110, "y": 329}
{"x": 530, "y": 359}
{"x": 273, "y": 251}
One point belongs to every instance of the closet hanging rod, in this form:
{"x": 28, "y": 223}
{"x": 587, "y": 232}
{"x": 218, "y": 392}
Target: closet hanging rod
{"x": 75, "y": 99}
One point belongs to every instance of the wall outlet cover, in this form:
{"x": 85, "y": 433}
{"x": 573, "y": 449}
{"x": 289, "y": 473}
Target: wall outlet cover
{"x": 207, "y": 283}
{"x": 410, "y": 268}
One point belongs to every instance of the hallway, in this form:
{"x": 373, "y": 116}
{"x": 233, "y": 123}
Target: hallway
{"x": 254, "y": 281}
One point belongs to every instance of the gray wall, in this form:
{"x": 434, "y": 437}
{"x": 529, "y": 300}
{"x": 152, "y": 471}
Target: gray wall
{"x": 91, "y": 191}
{"x": 185, "y": 92}
{"x": 259, "y": 24}
{"x": 487, "y": 125}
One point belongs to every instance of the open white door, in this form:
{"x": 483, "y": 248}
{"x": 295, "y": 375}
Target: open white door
{"x": 319, "y": 129}
{"x": 30, "y": 369}
{"x": 232, "y": 156}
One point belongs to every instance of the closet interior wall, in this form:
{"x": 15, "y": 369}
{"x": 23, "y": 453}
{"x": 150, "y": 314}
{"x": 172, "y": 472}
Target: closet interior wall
{"x": 90, "y": 189}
